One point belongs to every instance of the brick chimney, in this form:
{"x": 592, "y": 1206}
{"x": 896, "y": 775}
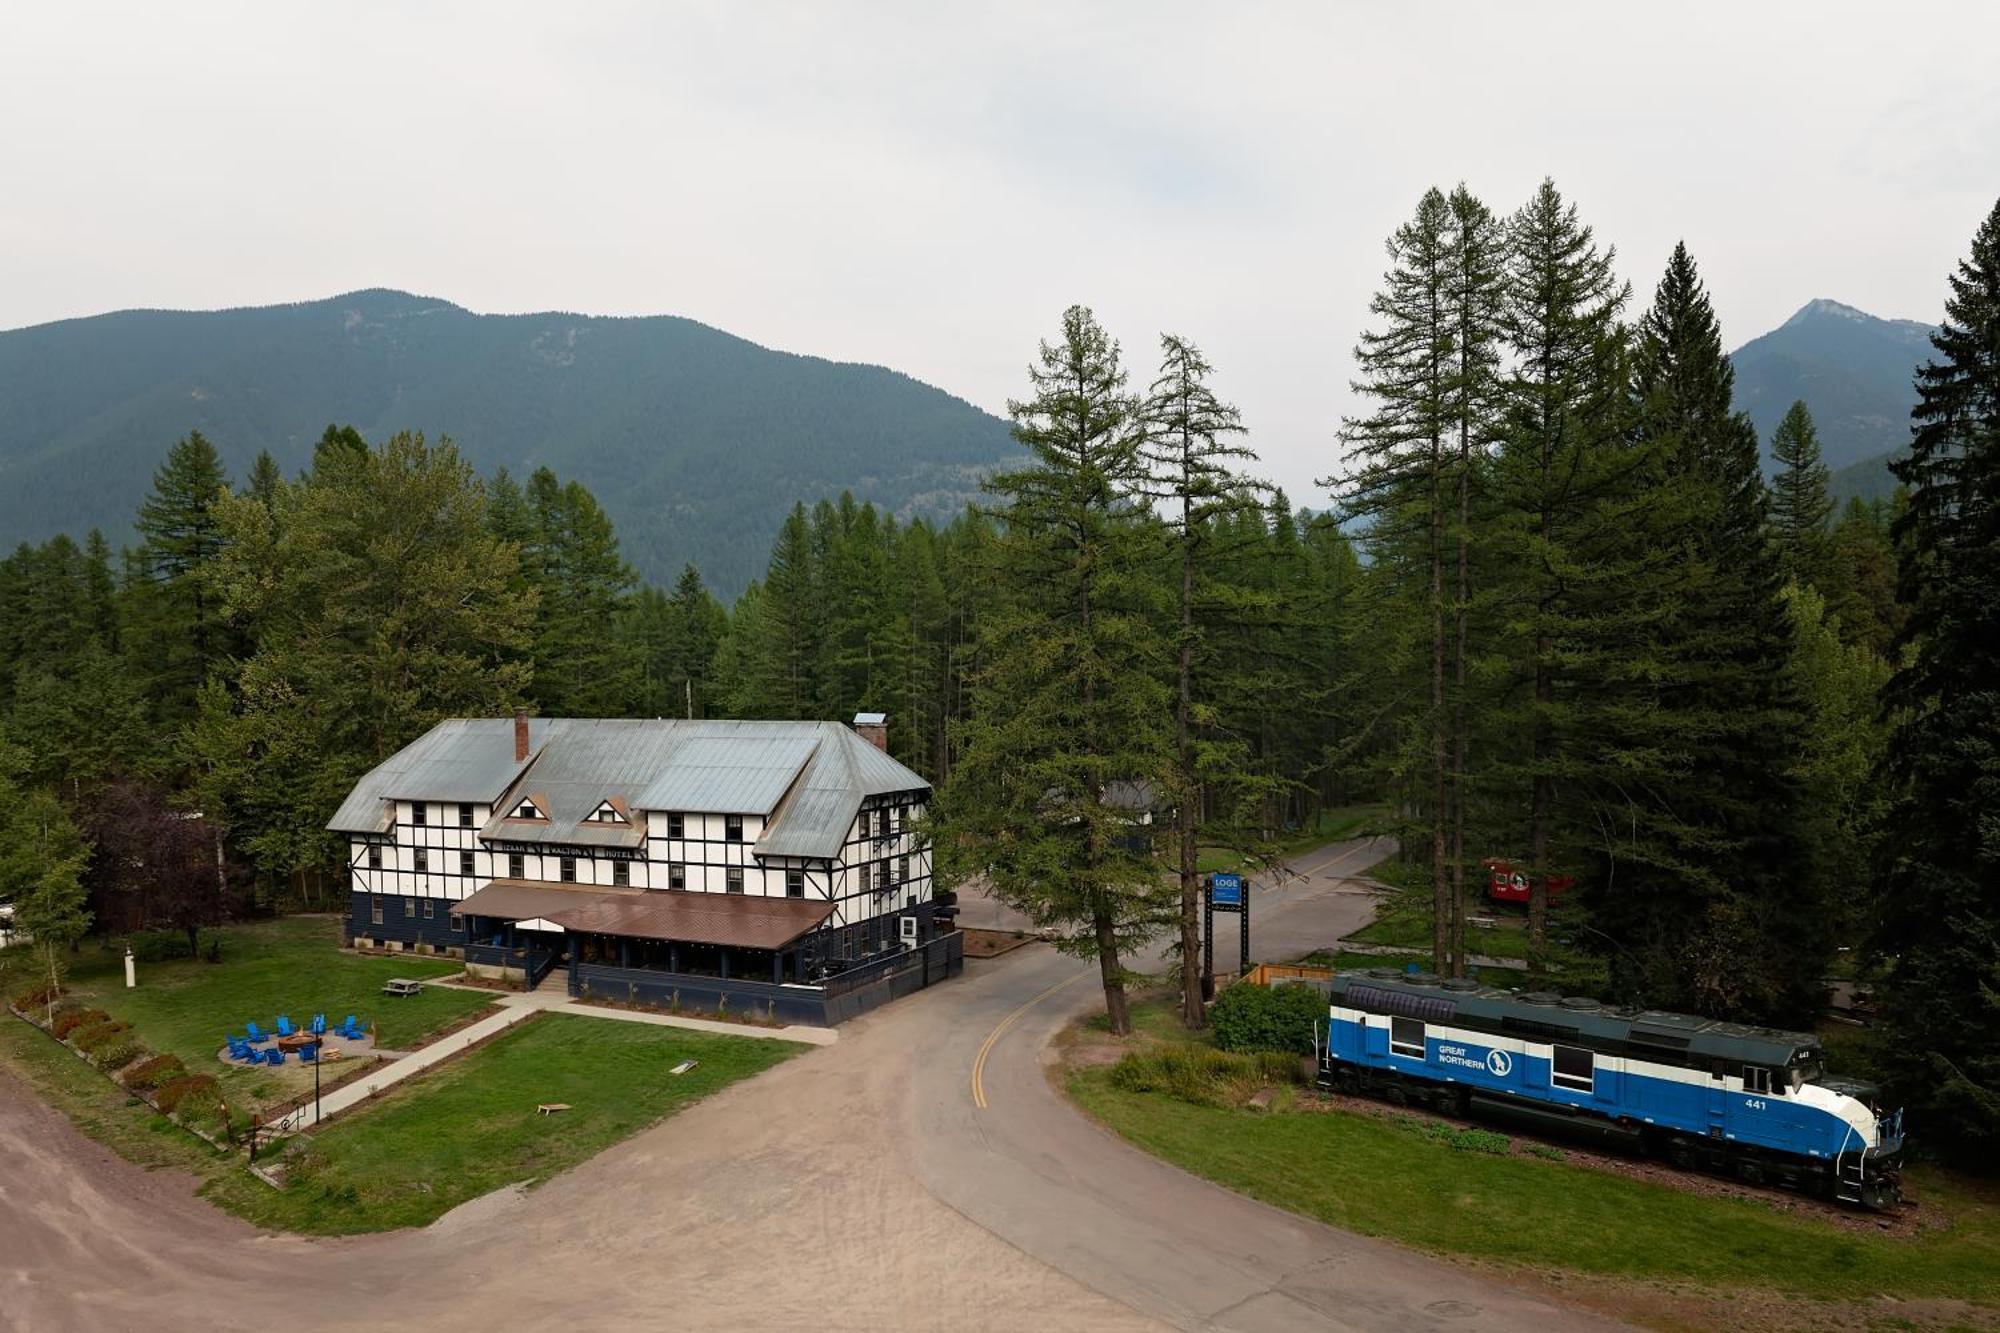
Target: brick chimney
{"x": 520, "y": 735}
{"x": 873, "y": 728}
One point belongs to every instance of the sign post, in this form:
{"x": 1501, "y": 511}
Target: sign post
{"x": 1226, "y": 893}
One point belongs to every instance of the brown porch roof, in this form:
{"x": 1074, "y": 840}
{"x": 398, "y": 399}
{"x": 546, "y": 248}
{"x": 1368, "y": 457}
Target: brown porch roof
{"x": 739, "y": 920}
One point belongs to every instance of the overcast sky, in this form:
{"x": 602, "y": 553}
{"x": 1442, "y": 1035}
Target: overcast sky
{"x": 927, "y": 188}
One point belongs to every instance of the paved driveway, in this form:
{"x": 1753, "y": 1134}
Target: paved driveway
{"x": 857, "y": 1186}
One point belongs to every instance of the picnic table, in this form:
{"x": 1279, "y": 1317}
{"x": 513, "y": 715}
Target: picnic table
{"x": 401, "y": 986}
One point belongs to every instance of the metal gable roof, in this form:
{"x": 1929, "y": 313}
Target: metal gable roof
{"x": 460, "y": 759}
{"x": 810, "y": 778}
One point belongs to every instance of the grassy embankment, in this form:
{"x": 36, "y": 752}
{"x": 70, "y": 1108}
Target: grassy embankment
{"x": 290, "y": 966}
{"x": 1395, "y": 1176}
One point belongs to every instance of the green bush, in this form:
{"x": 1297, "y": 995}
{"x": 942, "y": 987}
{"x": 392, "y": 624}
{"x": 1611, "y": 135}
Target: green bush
{"x": 154, "y": 1072}
{"x": 160, "y": 946}
{"x": 175, "y": 1092}
{"x": 118, "y": 1053}
{"x": 1201, "y": 1074}
{"x": 69, "y": 1020}
{"x": 1267, "y": 1018}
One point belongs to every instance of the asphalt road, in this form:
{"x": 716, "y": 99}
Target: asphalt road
{"x": 858, "y": 1186}
{"x": 1027, "y": 1167}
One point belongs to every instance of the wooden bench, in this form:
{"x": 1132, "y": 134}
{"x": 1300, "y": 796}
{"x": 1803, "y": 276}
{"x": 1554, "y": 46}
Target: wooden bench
{"x": 401, "y": 986}
{"x": 550, "y": 1108}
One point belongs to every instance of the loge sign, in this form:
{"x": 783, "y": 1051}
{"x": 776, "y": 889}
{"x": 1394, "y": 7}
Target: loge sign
{"x": 1226, "y": 893}
{"x": 1226, "y": 890}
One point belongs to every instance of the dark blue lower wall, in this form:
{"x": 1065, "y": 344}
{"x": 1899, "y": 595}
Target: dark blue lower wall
{"x": 400, "y": 923}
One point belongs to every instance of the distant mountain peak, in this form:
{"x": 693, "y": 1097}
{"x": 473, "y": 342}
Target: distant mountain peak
{"x": 1823, "y": 308}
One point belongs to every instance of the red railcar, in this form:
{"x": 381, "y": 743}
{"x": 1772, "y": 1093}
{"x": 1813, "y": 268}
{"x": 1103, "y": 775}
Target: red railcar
{"x": 1505, "y": 884}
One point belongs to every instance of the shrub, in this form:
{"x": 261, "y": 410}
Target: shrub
{"x": 36, "y": 996}
{"x": 1201, "y": 1074}
{"x": 93, "y": 1037}
{"x": 117, "y": 1054}
{"x": 1464, "y": 1139}
{"x": 176, "y": 1091}
{"x": 1261, "y": 1018}
{"x": 70, "y": 1020}
{"x": 154, "y": 1072}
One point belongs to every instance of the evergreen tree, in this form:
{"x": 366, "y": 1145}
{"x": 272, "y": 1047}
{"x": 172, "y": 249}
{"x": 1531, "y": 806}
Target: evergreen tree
{"x": 1712, "y": 894}
{"x": 1405, "y": 486}
{"x": 1938, "y": 873}
{"x": 42, "y": 859}
{"x": 1861, "y": 578}
{"x": 582, "y": 666}
{"x": 264, "y": 480}
{"x": 1069, "y": 709}
{"x": 177, "y": 634}
{"x": 1800, "y": 505}
{"x": 1569, "y": 534}
{"x": 1193, "y": 470}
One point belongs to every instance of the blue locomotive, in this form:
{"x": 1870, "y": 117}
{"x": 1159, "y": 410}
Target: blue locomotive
{"x": 1703, "y": 1094}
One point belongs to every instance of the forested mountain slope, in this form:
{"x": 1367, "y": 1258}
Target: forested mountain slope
{"x": 697, "y": 442}
{"x": 1854, "y": 372}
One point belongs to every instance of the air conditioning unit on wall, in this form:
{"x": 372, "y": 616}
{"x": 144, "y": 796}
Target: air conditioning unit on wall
{"x": 909, "y": 929}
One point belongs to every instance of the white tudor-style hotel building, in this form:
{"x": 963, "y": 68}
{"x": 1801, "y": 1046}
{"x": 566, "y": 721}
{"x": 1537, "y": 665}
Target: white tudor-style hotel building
{"x": 758, "y": 864}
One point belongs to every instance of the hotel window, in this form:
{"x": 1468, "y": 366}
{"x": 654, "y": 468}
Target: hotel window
{"x": 465, "y": 814}
{"x": 677, "y": 875}
{"x": 795, "y": 883}
{"x": 517, "y": 866}
{"x": 732, "y": 828}
{"x": 420, "y": 860}
{"x": 902, "y": 818}
{"x": 430, "y": 908}
{"x": 735, "y": 879}
{"x": 902, "y": 870}
{"x": 465, "y": 863}
{"x": 676, "y": 825}
{"x": 457, "y": 921}
{"x": 419, "y": 813}
{"x": 569, "y": 870}
{"x": 409, "y": 909}
{"x": 374, "y": 856}
{"x": 621, "y": 872}
{"x": 375, "y": 909}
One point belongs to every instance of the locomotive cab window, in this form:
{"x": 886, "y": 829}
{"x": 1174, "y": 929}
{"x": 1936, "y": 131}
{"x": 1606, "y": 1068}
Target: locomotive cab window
{"x": 1574, "y": 1068}
{"x": 1406, "y": 1037}
{"x": 1756, "y": 1079}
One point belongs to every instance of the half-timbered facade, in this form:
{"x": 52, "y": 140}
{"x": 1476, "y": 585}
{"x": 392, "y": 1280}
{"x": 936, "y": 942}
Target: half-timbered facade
{"x": 784, "y": 851}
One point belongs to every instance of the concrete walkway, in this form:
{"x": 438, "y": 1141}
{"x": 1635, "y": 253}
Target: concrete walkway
{"x": 361, "y": 1089}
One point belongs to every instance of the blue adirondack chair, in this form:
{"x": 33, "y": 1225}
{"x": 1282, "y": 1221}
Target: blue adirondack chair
{"x": 308, "y": 1054}
{"x": 274, "y": 1057}
{"x": 285, "y": 1028}
{"x": 319, "y": 1025}
{"x": 257, "y": 1034}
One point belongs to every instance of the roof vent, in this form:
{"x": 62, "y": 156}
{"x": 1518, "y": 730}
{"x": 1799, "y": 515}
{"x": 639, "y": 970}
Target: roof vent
{"x": 1459, "y": 984}
{"x": 1581, "y": 1003}
{"x": 1385, "y": 974}
{"x": 1541, "y": 997}
{"x": 1422, "y": 978}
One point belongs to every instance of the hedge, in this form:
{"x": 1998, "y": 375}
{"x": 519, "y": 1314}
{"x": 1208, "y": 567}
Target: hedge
{"x": 1267, "y": 1018}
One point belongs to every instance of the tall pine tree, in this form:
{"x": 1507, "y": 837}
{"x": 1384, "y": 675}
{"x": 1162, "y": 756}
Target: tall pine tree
{"x": 1800, "y": 505}
{"x": 1938, "y": 877}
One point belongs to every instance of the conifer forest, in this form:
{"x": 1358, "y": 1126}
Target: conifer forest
{"x": 1552, "y": 605}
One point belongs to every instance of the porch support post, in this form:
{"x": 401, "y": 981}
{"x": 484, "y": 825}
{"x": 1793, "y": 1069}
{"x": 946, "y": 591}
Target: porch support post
{"x": 723, "y": 953}
{"x": 624, "y": 952}
{"x": 673, "y": 955}
{"x": 777, "y": 966}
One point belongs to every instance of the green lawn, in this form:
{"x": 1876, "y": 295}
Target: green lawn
{"x": 471, "y": 1127}
{"x": 1401, "y": 929}
{"x": 1349, "y": 961}
{"x": 289, "y": 966}
{"x": 1386, "y": 1176}
{"x": 1383, "y": 1177}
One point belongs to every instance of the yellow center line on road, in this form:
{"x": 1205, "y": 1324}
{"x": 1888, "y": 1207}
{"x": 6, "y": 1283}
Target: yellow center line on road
{"x": 1000, "y": 1030}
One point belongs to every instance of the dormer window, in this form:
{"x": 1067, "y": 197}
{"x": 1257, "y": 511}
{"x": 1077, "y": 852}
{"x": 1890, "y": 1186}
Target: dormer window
{"x": 607, "y": 813}
{"x": 527, "y": 809}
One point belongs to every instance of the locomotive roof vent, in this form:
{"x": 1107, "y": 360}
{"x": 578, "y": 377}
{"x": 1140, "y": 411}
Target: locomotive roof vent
{"x": 1581, "y": 1003}
{"x": 1541, "y": 997}
{"x": 1384, "y": 974}
{"x": 1459, "y": 984}
{"x": 1422, "y": 978}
